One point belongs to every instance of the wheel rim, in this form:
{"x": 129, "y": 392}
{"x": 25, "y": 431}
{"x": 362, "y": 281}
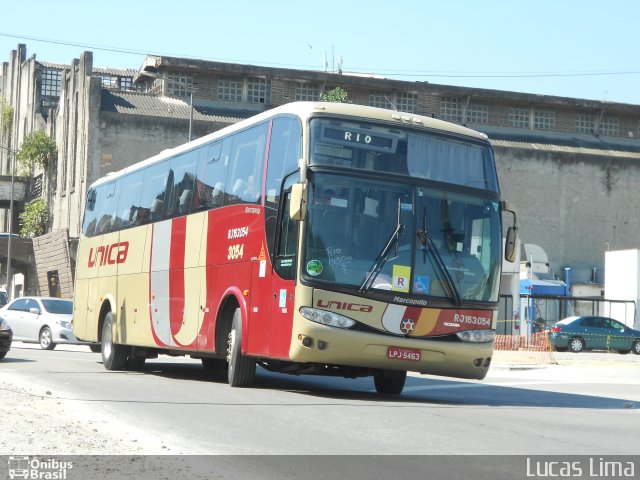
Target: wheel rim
{"x": 45, "y": 338}
{"x": 106, "y": 341}
{"x": 576, "y": 345}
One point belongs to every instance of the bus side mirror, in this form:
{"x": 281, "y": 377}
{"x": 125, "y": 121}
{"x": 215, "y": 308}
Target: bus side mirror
{"x": 510, "y": 244}
{"x": 511, "y": 240}
{"x": 298, "y": 205}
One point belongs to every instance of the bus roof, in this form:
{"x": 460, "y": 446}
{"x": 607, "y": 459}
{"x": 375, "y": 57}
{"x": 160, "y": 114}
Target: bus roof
{"x": 304, "y": 110}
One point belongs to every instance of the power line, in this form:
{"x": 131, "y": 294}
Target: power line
{"x": 137, "y": 52}
{"x": 396, "y": 73}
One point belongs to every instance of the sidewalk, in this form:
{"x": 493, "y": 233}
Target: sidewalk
{"x": 513, "y": 358}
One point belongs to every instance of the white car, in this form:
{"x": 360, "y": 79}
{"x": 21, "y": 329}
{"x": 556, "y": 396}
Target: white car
{"x": 44, "y": 320}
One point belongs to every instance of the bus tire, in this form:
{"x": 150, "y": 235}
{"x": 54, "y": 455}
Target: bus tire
{"x": 389, "y": 382}
{"x": 114, "y": 357}
{"x": 242, "y": 369}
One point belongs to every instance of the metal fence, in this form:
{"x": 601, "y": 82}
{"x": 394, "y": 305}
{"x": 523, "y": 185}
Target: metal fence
{"x": 537, "y": 312}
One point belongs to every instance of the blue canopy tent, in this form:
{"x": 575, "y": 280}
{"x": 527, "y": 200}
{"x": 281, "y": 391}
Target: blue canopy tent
{"x": 543, "y": 287}
{"x": 537, "y": 293}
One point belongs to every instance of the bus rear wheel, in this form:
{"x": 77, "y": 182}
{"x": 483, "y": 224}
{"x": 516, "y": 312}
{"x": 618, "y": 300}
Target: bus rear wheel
{"x": 242, "y": 369}
{"x": 389, "y": 382}
{"x": 114, "y": 357}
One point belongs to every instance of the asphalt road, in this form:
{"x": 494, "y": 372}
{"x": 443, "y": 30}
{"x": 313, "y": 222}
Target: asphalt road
{"x": 589, "y": 404}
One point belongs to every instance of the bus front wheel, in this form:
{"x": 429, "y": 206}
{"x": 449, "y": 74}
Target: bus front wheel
{"x": 242, "y": 369}
{"x": 389, "y": 382}
{"x": 114, "y": 357}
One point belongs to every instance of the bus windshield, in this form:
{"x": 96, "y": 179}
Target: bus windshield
{"x": 377, "y": 235}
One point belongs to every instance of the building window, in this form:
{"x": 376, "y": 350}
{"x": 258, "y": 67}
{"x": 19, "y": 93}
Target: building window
{"x": 36, "y": 187}
{"x": 126, "y": 84}
{"x": 477, "y": 113}
{"x": 407, "y": 102}
{"x": 519, "y": 117}
{"x": 451, "y": 109}
{"x": 50, "y": 91}
{"x": 585, "y": 123}
{"x": 380, "y": 100}
{"x": 258, "y": 90}
{"x": 544, "y": 119}
{"x": 609, "y": 126}
{"x": 109, "y": 82}
{"x": 307, "y": 92}
{"x": 230, "y": 89}
{"x": 179, "y": 85}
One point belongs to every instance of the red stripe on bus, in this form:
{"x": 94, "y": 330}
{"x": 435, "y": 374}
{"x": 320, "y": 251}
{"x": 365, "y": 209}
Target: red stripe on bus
{"x": 176, "y": 274}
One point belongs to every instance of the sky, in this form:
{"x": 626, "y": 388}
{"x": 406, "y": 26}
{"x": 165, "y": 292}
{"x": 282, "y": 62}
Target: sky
{"x": 584, "y": 49}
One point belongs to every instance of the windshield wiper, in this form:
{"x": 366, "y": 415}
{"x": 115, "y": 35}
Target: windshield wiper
{"x": 382, "y": 257}
{"x": 425, "y": 239}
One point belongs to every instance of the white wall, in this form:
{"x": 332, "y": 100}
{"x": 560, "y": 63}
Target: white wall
{"x": 621, "y": 282}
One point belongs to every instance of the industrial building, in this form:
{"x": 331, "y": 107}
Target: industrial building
{"x": 570, "y": 166}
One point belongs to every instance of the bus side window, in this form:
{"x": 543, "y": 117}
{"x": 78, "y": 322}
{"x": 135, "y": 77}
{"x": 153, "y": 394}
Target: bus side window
{"x": 247, "y": 159}
{"x": 94, "y": 197}
{"x": 129, "y": 203}
{"x": 211, "y": 175}
{"x": 107, "y": 216}
{"x": 153, "y": 195}
{"x": 179, "y": 194}
{"x": 287, "y": 236}
{"x": 284, "y": 153}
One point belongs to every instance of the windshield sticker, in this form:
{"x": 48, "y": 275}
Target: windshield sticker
{"x": 263, "y": 269}
{"x": 282, "y": 303}
{"x": 421, "y": 284}
{"x": 400, "y": 279}
{"x": 314, "y": 268}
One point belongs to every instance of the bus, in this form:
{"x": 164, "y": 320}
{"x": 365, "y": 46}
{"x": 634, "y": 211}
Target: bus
{"x": 313, "y": 238}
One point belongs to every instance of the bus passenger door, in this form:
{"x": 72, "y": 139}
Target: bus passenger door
{"x": 283, "y": 282}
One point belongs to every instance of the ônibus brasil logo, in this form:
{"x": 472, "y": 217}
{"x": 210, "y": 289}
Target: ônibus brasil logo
{"x": 108, "y": 254}
{"x": 35, "y": 468}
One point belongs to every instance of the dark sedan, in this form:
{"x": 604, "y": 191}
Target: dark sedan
{"x": 6, "y": 336}
{"x": 594, "y": 333}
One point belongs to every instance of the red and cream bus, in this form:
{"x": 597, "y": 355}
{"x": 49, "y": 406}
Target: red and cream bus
{"x": 315, "y": 238}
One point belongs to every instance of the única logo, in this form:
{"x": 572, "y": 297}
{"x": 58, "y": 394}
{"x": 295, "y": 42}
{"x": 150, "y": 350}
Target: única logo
{"x": 108, "y": 254}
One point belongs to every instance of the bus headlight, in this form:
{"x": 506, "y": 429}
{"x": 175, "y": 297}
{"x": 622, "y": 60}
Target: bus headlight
{"x": 324, "y": 317}
{"x": 477, "y": 336}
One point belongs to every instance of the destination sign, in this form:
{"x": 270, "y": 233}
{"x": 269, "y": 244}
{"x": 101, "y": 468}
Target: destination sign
{"x": 363, "y": 138}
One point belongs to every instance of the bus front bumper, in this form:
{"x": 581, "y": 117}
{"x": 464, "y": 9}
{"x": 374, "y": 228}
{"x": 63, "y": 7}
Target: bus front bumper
{"x": 315, "y": 343}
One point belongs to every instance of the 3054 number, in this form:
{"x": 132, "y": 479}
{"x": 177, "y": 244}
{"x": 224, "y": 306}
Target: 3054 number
{"x": 235, "y": 252}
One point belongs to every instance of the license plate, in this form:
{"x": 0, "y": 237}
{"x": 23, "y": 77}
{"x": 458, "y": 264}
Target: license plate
{"x": 397, "y": 353}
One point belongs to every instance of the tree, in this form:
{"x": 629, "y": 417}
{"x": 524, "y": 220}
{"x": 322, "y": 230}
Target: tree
{"x": 36, "y": 150}
{"x": 338, "y": 95}
{"x": 33, "y": 221}
{"x": 6, "y": 115}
